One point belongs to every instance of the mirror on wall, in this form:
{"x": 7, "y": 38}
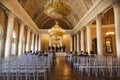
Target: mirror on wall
{"x": 108, "y": 43}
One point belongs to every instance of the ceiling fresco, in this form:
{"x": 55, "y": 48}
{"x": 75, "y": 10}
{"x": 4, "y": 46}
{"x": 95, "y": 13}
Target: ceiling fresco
{"x": 35, "y": 10}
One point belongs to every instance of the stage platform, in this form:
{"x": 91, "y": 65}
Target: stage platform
{"x": 60, "y": 54}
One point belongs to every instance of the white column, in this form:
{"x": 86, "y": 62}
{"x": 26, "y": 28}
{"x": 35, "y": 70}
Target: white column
{"x": 99, "y": 36}
{"x": 10, "y": 25}
{"x": 36, "y": 43}
{"x": 20, "y": 44}
{"x": 39, "y": 48}
{"x": 75, "y": 43}
{"x": 82, "y": 41}
{"x": 49, "y": 41}
{"x": 88, "y": 38}
{"x": 78, "y": 42}
{"x": 61, "y": 41}
{"x": 28, "y": 40}
{"x": 71, "y": 43}
{"x": 32, "y": 45}
{"x": 116, "y": 8}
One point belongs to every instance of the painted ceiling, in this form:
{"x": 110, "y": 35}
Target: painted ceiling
{"x": 35, "y": 10}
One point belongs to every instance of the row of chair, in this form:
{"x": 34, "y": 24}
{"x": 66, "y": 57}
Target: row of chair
{"x": 25, "y": 68}
{"x": 96, "y": 65}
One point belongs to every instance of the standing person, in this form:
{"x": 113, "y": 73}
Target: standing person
{"x": 54, "y": 57}
{"x": 56, "y": 48}
{"x": 92, "y": 54}
{"x": 52, "y": 48}
{"x": 63, "y": 48}
{"x": 60, "y": 48}
{"x": 49, "y": 47}
{"x": 66, "y": 56}
{"x": 71, "y": 59}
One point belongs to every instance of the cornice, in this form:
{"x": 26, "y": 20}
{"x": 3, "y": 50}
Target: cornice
{"x": 96, "y": 9}
{"x": 19, "y": 12}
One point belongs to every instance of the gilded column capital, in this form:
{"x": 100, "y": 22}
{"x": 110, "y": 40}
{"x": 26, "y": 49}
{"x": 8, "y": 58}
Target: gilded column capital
{"x": 40, "y": 34}
{"x": 32, "y": 32}
{"x": 87, "y": 25}
{"x": 116, "y": 2}
{"x": 82, "y": 29}
{"x": 99, "y": 16}
{"x": 27, "y": 27}
{"x": 78, "y": 33}
{"x": 10, "y": 14}
{"x": 21, "y": 23}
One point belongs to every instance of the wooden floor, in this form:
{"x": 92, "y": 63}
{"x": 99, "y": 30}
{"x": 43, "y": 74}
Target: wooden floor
{"x": 63, "y": 71}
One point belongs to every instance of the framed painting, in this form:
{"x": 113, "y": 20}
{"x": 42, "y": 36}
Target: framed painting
{"x": 108, "y": 43}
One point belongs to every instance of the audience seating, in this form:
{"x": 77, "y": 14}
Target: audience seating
{"x": 96, "y": 65}
{"x": 25, "y": 68}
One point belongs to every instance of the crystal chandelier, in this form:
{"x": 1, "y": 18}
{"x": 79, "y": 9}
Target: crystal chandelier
{"x": 55, "y": 40}
{"x": 56, "y": 30}
{"x": 56, "y": 9}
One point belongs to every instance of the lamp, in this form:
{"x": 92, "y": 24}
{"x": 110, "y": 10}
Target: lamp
{"x": 56, "y": 30}
{"x": 110, "y": 33}
{"x": 56, "y": 9}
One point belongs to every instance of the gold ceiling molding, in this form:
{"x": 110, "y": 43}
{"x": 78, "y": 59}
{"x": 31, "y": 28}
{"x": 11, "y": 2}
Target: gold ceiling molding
{"x": 57, "y": 9}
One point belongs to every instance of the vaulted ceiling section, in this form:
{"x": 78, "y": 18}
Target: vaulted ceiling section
{"x": 35, "y": 10}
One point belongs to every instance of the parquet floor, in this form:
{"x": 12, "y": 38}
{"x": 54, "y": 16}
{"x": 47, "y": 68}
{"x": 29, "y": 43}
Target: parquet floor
{"x": 62, "y": 71}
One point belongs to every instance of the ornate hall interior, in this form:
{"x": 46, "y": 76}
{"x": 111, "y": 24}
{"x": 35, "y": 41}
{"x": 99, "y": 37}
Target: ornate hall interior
{"x": 60, "y": 39}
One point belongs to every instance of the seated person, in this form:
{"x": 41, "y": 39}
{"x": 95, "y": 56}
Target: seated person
{"x": 66, "y": 56}
{"x": 86, "y": 54}
{"x": 45, "y": 53}
{"x": 92, "y": 54}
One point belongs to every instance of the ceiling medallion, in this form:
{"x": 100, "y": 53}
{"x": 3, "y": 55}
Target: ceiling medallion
{"x": 56, "y": 9}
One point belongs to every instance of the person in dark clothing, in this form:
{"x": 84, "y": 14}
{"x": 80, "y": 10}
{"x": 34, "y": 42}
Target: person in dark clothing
{"x": 92, "y": 54}
{"x": 63, "y": 48}
{"x": 86, "y": 54}
{"x": 56, "y": 48}
{"x": 54, "y": 57}
{"x": 52, "y": 48}
{"x": 49, "y": 47}
{"x": 60, "y": 48}
{"x": 45, "y": 54}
